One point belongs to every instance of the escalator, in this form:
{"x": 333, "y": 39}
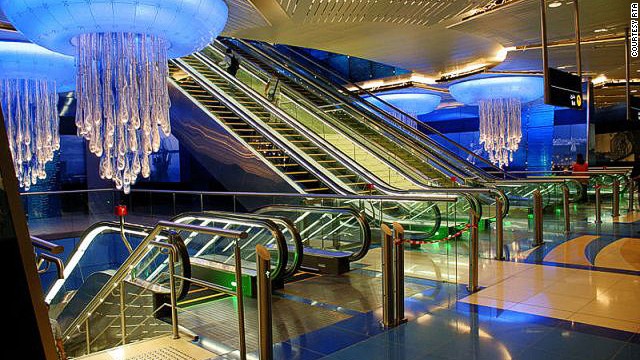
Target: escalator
{"x": 101, "y": 273}
{"x": 356, "y": 116}
{"x": 100, "y": 259}
{"x": 381, "y": 133}
{"x": 276, "y": 151}
{"x": 308, "y": 161}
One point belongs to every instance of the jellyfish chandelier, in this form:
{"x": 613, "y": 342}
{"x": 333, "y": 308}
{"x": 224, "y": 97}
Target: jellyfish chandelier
{"x": 121, "y": 50}
{"x": 499, "y": 101}
{"x": 30, "y": 77}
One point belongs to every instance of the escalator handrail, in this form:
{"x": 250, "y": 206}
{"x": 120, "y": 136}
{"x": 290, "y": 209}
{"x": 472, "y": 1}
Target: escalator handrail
{"x": 271, "y": 221}
{"x": 336, "y": 154}
{"x": 138, "y": 253}
{"x": 76, "y": 255}
{"x": 365, "y": 229}
{"x": 242, "y": 219}
{"x": 333, "y": 124}
{"x": 260, "y": 128}
{"x": 344, "y": 91}
{"x": 320, "y": 142}
{"x": 395, "y": 108}
{"x": 442, "y": 164}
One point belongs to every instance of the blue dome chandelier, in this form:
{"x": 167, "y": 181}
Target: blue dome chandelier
{"x": 121, "y": 48}
{"x": 499, "y": 101}
{"x": 412, "y": 101}
{"x": 30, "y": 78}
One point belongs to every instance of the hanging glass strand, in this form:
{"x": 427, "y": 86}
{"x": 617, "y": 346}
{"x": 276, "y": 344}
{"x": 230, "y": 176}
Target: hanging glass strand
{"x": 123, "y": 101}
{"x": 31, "y": 117}
{"x": 500, "y": 128}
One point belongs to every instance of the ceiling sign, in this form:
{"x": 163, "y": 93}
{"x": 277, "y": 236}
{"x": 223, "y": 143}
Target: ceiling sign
{"x": 564, "y": 89}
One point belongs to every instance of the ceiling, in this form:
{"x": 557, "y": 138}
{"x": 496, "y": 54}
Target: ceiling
{"x": 438, "y": 37}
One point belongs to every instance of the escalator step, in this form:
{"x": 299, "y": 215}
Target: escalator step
{"x": 277, "y": 157}
{"x": 305, "y": 181}
{"x": 317, "y": 189}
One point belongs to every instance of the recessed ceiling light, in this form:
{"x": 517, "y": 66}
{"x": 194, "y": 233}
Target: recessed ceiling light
{"x": 555, "y": 4}
{"x": 600, "y": 30}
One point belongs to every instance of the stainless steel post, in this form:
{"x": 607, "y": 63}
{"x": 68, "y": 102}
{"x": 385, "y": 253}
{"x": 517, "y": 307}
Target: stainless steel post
{"x": 576, "y": 25}
{"x": 388, "y": 315}
{"x": 174, "y": 203}
{"x": 598, "y": 206}
{"x": 499, "y": 230}
{"x": 265, "y": 332}
{"x": 474, "y": 253}
{"x": 632, "y": 190}
{"x": 87, "y": 336}
{"x": 545, "y": 50}
{"x": 172, "y": 290}
{"x": 123, "y": 321}
{"x": 201, "y": 202}
{"x": 616, "y": 198}
{"x": 240, "y": 299}
{"x": 399, "y": 272}
{"x": 123, "y": 236}
{"x": 565, "y": 208}
{"x": 537, "y": 218}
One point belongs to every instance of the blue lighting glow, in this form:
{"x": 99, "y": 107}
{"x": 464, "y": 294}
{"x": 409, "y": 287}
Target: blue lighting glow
{"x": 415, "y": 102}
{"x": 32, "y": 62}
{"x": 524, "y": 88}
{"x": 30, "y": 77}
{"x": 188, "y": 26}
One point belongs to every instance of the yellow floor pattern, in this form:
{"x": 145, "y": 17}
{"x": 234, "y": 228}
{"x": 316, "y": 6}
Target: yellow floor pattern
{"x": 585, "y": 296}
{"x": 622, "y": 254}
{"x": 571, "y": 252}
{"x": 628, "y": 218}
{"x": 590, "y": 297}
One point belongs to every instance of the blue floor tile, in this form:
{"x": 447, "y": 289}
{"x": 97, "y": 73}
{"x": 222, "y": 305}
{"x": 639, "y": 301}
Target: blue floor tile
{"x": 327, "y": 340}
{"x": 378, "y": 349}
{"x": 575, "y": 344}
{"x": 628, "y": 352}
{"x": 288, "y": 351}
{"x": 538, "y": 354}
{"x": 367, "y": 324}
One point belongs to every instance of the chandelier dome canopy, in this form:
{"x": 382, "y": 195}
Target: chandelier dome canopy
{"x": 186, "y": 26}
{"x": 499, "y": 101}
{"x": 523, "y": 88}
{"x": 27, "y": 61}
{"x": 121, "y": 50}
{"x": 415, "y": 102}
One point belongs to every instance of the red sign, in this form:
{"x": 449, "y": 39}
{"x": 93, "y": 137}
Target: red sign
{"x": 121, "y": 210}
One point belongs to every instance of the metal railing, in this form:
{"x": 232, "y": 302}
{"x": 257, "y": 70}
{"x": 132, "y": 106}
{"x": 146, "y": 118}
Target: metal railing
{"x": 46, "y": 256}
{"x": 342, "y": 92}
{"x": 365, "y": 229}
{"x": 336, "y": 154}
{"x": 138, "y": 254}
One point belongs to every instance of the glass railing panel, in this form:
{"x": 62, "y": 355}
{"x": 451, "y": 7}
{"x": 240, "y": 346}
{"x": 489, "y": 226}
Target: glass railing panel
{"x": 136, "y": 309}
{"x": 98, "y": 253}
{"x": 325, "y": 124}
{"x": 68, "y": 212}
{"x": 221, "y": 250}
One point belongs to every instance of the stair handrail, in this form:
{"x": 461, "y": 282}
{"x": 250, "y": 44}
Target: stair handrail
{"x": 124, "y": 270}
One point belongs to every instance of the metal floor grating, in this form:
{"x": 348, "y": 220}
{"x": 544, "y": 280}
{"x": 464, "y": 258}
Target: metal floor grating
{"x": 218, "y": 321}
